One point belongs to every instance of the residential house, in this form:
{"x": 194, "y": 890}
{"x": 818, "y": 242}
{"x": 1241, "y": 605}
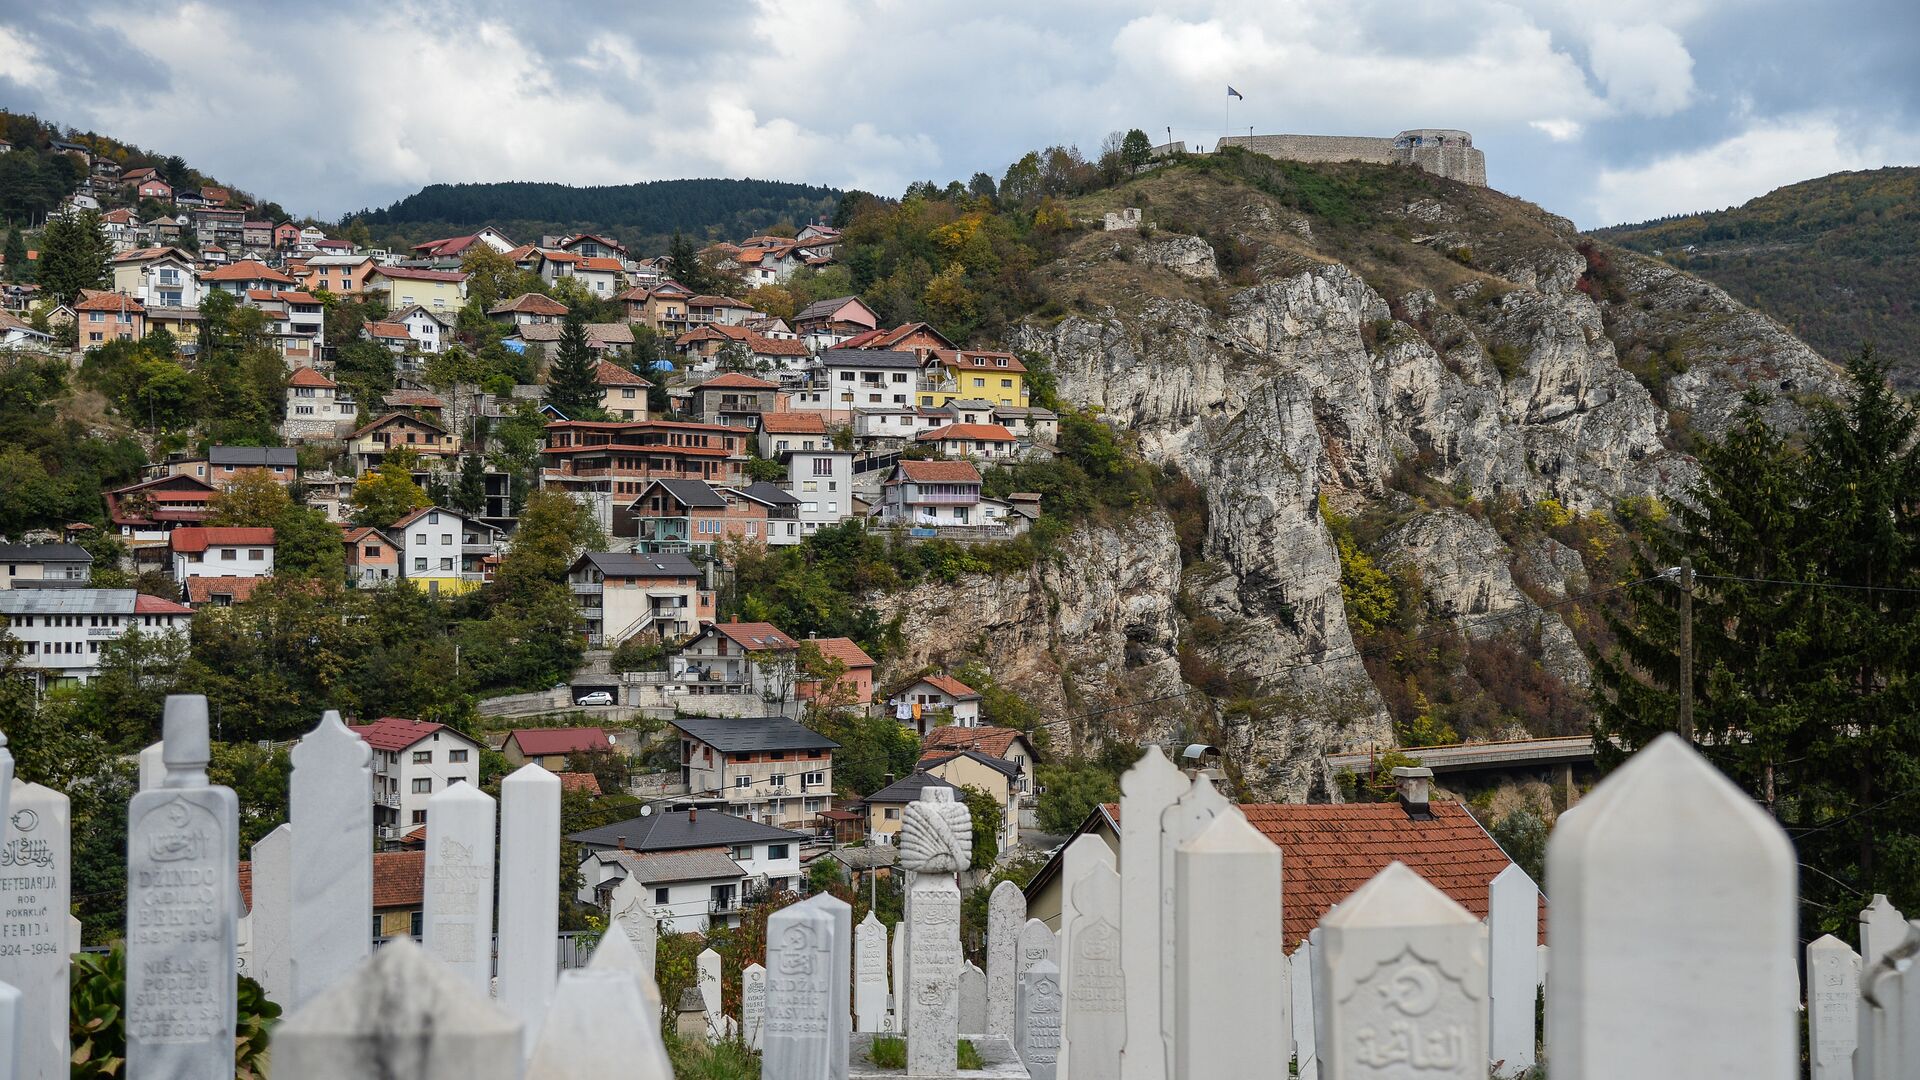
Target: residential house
{"x": 1003, "y": 743}
{"x": 369, "y": 445}
{"x": 224, "y": 590}
{"x": 819, "y": 234}
{"x": 420, "y": 403}
{"x": 765, "y": 352}
{"x": 593, "y": 246}
{"x": 852, "y": 379}
{"x": 919, "y": 338}
{"x": 145, "y": 513}
{"x": 395, "y": 336}
{"x": 622, "y": 596}
{"x": 996, "y": 377}
{"x": 216, "y": 226}
{"x": 981, "y": 771}
{"x": 340, "y": 275}
{"x": 683, "y": 515}
{"x": 602, "y": 277}
{"x": 121, "y": 227}
{"x": 257, "y": 235}
{"x": 183, "y": 323}
{"x": 230, "y": 552}
{"x": 55, "y": 635}
{"x": 662, "y": 306}
{"x": 824, "y": 324}
{"x": 444, "y": 552}
{"x": 225, "y": 464}
{"x": 316, "y": 408}
{"x": 327, "y": 492}
{"x": 734, "y": 399}
{"x": 782, "y": 509}
{"x": 162, "y": 276}
{"x": 154, "y": 188}
{"x": 373, "y": 559}
{"x": 412, "y": 760}
{"x": 605, "y": 464}
{"x": 852, "y": 689}
{"x": 286, "y": 236}
{"x": 448, "y": 251}
{"x": 241, "y": 277}
{"x": 543, "y": 339}
{"x": 45, "y": 565}
{"x": 932, "y": 493}
{"x": 685, "y": 892}
{"x": 979, "y": 442}
{"x": 781, "y": 432}
{"x": 724, "y": 310}
{"x": 822, "y": 480}
{"x": 768, "y": 856}
{"x": 1032, "y": 425}
{"x": 886, "y": 807}
{"x": 443, "y": 291}
{"x": 768, "y": 769}
{"x": 738, "y": 658}
{"x": 108, "y": 316}
{"x": 18, "y": 334}
{"x": 935, "y": 701}
{"x": 549, "y": 748}
{"x": 428, "y": 329}
{"x": 295, "y": 320}
{"x": 622, "y": 393}
{"x": 528, "y": 309}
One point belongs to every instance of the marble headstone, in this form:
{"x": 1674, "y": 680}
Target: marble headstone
{"x": 1146, "y": 791}
{"x": 6, "y": 780}
{"x": 9, "y": 1026}
{"x": 1833, "y": 1008}
{"x": 753, "y": 1005}
{"x": 598, "y": 1025}
{"x": 933, "y": 973}
{"x": 616, "y": 953}
{"x": 152, "y": 768}
{"x": 1082, "y": 855}
{"x": 1179, "y": 822}
{"x": 1513, "y": 962}
{"x": 707, "y": 974}
{"x": 1095, "y": 985}
{"x": 457, "y": 924}
{"x": 632, "y": 912}
{"x": 330, "y": 800}
{"x": 183, "y": 868}
{"x": 842, "y": 1006}
{"x": 36, "y": 882}
{"x": 1037, "y": 943}
{"x": 1006, "y": 913}
{"x": 270, "y": 921}
{"x": 1230, "y": 985}
{"x": 1675, "y": 916}
{"x": 529, "y": 920}
{"x": 798, "y": 1044}
{"x": 1882, "y": 928}
{"x": 1405, "y": 970}
{"x": 1038, "y": 1019}
{"x": 973, "y": 1000}
{"x": 1300, "y": 971}
{"x": 898, "y": 975}
{"x": 870, "y": 973}
{"x": 1889, "y": 1039}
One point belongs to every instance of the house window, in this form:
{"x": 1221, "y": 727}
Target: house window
{"x": 979, "y": 382}
{"x": 419, "y": 564}
{"x": 813, "y": 779}
{"x": 456, "y": 757}
{"x": 743, "y": 781}
{"x": 422, "y": 757}
{"x": 892, "y": 813}
{"x": 660, "y": 896}
{"x": 743, "y": 852}
{"x": 1007, "y": 383}
{"x": 423, "y": 785}
{"x": 419, "y": 817}
{"x": 446, "y": 564}
{"x": 370, "y": 552}
{"x": 822, "y": 466}
{"x": 778, "y": 851}
{"x": 255, "y": 554}
{"x": 446, "y": 538}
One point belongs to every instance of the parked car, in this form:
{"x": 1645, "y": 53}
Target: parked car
{"x": 598, "y": 697}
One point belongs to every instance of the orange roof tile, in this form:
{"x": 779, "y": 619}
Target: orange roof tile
{"x": 399, "y": 879}
{"x": 995, "y": 741}
{"x": 154, "y": 605}
{"x": 395, "y": 732}
{"x": 246, "y": 270}
{"x": 607, "y": 266}
{"x": 532, "y": 303}
{"x": 939, "y": 472}
{"x": 754, "y": 636}
{"x": 201, "y": 590}
{"x": 793, "y": 423}
{"x": 609, "y": 373}
{"x": 843, "y": 650}
{"x": 954, "y": 688}
{"x": 202, "y": 539}
{"x": 580, "y": 781}
{"x": 306, "y": 376}
{"x": 539, "y": 742}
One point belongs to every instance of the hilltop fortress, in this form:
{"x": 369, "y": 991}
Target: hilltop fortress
{"x": 1441, "y": 151}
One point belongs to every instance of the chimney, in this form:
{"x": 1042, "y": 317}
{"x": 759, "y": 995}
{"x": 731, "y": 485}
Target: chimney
{"x": 1415, "y": 786}
{"x": 622, "y": 841}
{"x": 887, "y": 780}
{"x": 693, "y": 814}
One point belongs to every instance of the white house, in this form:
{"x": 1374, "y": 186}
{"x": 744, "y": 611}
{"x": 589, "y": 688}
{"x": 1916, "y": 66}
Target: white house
{"x": 427, "y": 329}
{"x": 55, "y": 565}
{"x": 441, "y": 549}
{"x": 163, "y": 277}
{"x": 932, "y": 493}
{"x": 737, "y": 658}
{"x": 412, "y": 760}
{"x": 55, "y": 634}
{"x": 936, "y": 697}
{"x": 686, "y": 892}
{"x": 899, "y": 422}
{"x": 221, "y": 552}
{"x": 770, "y": 768}
{"x": 980, "y": 442}
{"x": 769, "y": 857}
{"x": 823, "y": 482}
{"x": 867, "y": 378}
{"x": 784, "y": 431}
{"x": 316, "y": 409}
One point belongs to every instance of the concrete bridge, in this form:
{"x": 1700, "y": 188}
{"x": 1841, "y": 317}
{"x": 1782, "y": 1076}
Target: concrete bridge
{"x": 1552, "y": 759}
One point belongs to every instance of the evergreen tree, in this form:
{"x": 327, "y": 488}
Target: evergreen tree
{"x": 73, "y": 256}
{"x": 684, "y": 264}
{"x": 470, "y": 493}
{"x": 16, "y": 252}
{"x": 572, "y": 385}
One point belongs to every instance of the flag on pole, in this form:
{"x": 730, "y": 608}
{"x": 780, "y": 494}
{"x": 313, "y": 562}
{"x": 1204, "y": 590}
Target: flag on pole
{"x": 1231, "y": 92}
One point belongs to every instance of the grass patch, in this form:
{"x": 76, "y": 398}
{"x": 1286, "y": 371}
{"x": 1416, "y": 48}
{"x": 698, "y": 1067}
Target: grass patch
{"x": 729, "y": 1059}
{"x": 969, "y": 1058}
{"x": 889, "y": 1052}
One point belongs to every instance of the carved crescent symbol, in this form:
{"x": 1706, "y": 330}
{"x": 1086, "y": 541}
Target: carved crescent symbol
{"x": 25, "y": 820}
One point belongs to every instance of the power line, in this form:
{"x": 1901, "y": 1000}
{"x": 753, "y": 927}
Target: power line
{"x": 1805, "y": 584}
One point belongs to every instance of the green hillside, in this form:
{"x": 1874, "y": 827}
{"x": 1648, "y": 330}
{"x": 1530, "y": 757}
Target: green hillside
{"x": 643, "y": 216}
{"x": 1835, "y": 259}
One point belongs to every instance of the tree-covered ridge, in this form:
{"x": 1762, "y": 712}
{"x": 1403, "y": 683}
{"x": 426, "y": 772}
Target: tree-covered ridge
{"x": 35, "y": 177}
{"x": 643, "y": 216}
{"x": 1833, "y": 258}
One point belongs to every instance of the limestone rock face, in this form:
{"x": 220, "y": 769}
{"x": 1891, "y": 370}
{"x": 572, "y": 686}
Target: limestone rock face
{"x": 1188, "y": 256}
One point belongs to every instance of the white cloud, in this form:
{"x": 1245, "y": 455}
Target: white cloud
{"x": 1559, "y": 129}
{"x": 20, "y": 60}
{"x": 1646, "y": 69}
{"x": 1768, "y": 154}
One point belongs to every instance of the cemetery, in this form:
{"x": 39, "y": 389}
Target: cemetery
{"x": 1671, "y": 948}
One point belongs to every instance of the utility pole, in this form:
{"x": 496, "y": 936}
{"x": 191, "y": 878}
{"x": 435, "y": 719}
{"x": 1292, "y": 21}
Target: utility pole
{"x": 1686, "y": 649}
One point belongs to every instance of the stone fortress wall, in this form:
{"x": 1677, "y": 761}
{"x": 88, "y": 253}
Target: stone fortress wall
{"x": 1441, "y": 151}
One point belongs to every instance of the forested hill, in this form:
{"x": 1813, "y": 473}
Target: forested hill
{"x": 1834, "y": 259}
{"x": 642, "y": 216}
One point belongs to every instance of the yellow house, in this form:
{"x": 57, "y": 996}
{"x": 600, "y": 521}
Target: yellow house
{"x": 886, "y": 806}
{"x": 438, "y": 291}
{"x": 997, "y": 378}
{"x": 443, "y": 553}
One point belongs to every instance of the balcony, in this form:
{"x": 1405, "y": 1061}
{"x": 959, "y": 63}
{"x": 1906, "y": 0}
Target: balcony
{"x": 723, "y": 906}
{"x": 943, "y": 498}
{"x": 390, "y": 799}
{"x": 587, "y": 588}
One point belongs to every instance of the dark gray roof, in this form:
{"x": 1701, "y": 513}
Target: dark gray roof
{"x": 621, "y": 564}
{"x": 770, "y": 494}
{"x": 1001, "y": 765}
{"x": 694, "y": 493}
{"x": 44, "y": 553}
{"x": 869, "y": 358}
{"x": 744, "y": 734}
{"x": 908, "y": 790}
{"x": 820, "y": 309}
{"x": 253, "y": 455}
{"x": 680, "y": 830}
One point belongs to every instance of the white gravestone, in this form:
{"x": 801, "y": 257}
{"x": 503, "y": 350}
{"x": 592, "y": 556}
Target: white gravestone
{"x": 1086, "y": 852}
{"x": 1230, "y": 979}
{"x": 706, "y": 968}
{"x": 457, "y": 923}
{"x": 1882, "y": 928}
{"x": 152, "y": 768}
{"x": 1037, "y": 943}
{"x": 1674, "y": 919}
{"x": 36, "y": 882}
{"x": 1889, "y": 1040}
{"x": 936, "y": 842}
{"x": 616, "y": 953}
{"x": 1513, "y": 964}
{"x": 529, "y": 921}
{"x": 1095, "y": 986}
{"x": 1833, "y": 1008}
{"x": 1006, "y": 911}
{"x": 599, "y": 1026}
{"x": 270, "y": 921}
{"x": 6, "y": 782}
{"x": 10, "y": 1031}
{"x": 753, "y": 1005}
{"x": 896, "y": 996}
{"x": 183, "y": 868}
{"x": 632, "y": 912}
{"x": 842, "y": 1004}
{"x": 1319, "y": 987}
{"x": 1037, "y": 1020}
{"x": 1146, "y": 791}
{"x": 973, "y": 1000}
{"x": 400, "y": 1014}
{"x": 798, "y": 1044}
{"x": 1179, "y": 823}
{"x": 870, "y": 973}
{"x": 1405, "y": 969}
{"x": 1300, "y": 972}
{"x": 330, "y": 800}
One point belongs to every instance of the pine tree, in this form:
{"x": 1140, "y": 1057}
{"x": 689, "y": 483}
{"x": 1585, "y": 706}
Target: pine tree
{"x": 16, "y": 252}
{"x": 685, "y": 265}
{"x": 73, "y": 256}
{"x": 470, "y": 492}
{"x": 572, "y": 383}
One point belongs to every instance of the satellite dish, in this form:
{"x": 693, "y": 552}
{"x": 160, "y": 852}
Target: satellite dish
{"x": 646, "y": 810}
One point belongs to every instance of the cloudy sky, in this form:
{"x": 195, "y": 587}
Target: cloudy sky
{"x": 1603, "y": 111}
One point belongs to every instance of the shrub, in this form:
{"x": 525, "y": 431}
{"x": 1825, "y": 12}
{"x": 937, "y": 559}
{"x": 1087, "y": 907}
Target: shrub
{"x": 889, "y": 1052}
{"x": 97, "y": 1025}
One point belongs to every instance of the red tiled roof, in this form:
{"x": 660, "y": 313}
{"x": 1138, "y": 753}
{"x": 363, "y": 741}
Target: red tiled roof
{"x": 201, "y": 590}
{"x": 532, "y": 303}
{"x": 539, "y": 742}
{"x": 612, "y": 374}
{"x": 388, "y": 330}
{"x": 977, "y": 432}
{"x": 449, "y": 245}
{"x": 939, "y": 472}
{"x": 246, "y": 270}
{"x": 153, "y": 605}
{"x": 395, "y": 732}
{"x": 717, "y": 301}
{"x": 306, "y": 376}
{"x": 733, "y": 380}
{"x": 754, "y": 636}
{"x": 202, "y": 539}
{"x": 363, "y": 534}
{"x": 954, "y": 688}
{"x": 992, "y": 741}
{"x": 843, "y": 650}
{"x": 580, "y": 781}
{"x": 108, "y": 301}
{"x": 608, "y": 266}
{"x": 793, "y": 423}
{"x": 246, "y": 885}
{"x": 399, "y": 879}
{"x": 980, "y": 361}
